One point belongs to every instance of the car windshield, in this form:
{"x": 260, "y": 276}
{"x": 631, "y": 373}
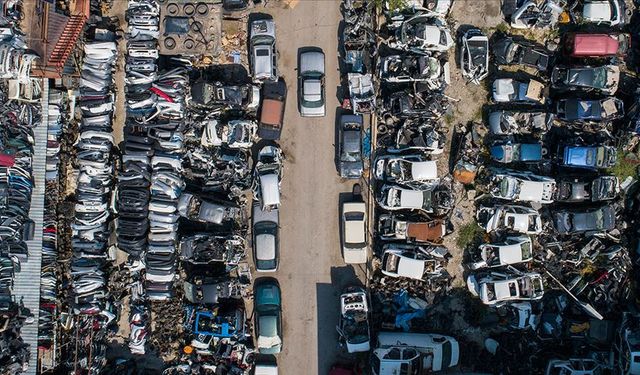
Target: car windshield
{"x": 599, "y": 157}
{"x": 265, "y": 264}
{"x": 600, "y": 77}
{"x": 505, "y": 188}
{"x": 526, "y": 250}
{"x": 446, "y": 354}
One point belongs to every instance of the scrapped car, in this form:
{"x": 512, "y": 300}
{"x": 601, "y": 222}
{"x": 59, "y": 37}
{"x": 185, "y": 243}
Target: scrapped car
{"x": 423, "y": 33}
{"x": 311, "y": 84}
{"x": 510, "y": 152}
{"x": 354, "y": 232}
{"x": 272, "y": 111}
{"x": 350, "y": 163}
{"x": 268, "y": 315}
{"x": 474, "y": 55}
{"x": 203, "y": 248}
{"x": 604, "y": 12}
{"x": 513, "y": 250}
{"x": 578, "y": 366}
{"x": 589, "y": 157}
{"x": 413, "y": 353}
{"x": 581, "y": 220}
{"x": 267, "y": 176}
{"x": 505, "y": 122}
{"x": 500, "y": 288}
{"x": 362, "y": 94}
{"x": 423, "y": 137}
{"x": 233, "y": 134}
{"x": 195, "y": 208}
{"x": 520, "y": 219}
{"x": 429, "y": 70}
{"x": 430, "y": 199}
{"x": 392, "y": 227}
{"x": 524, "y": 14}
{"x": 508, "y": 90}
{"x": 522, "y": 187}
{"x": 413, "y": 262}
{"x": 405, "y": 169}
{"x": 581, "y": 45}
{"x": 263, "y": 55}
{"x": 511, "y": 50}
{"x": 354, "y": 320}
{"x": 215, "y": 94}
{"x": 602, "y": 79}
{"x": 590, "y": 110}
{"x": 601, "y": 188}
{"x": 266, "y": 238}
{"x": 206, "y": 291}
{"x": 520, "y": 316}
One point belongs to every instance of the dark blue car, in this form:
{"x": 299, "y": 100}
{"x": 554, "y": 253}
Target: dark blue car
{"x": 589, "y": 157}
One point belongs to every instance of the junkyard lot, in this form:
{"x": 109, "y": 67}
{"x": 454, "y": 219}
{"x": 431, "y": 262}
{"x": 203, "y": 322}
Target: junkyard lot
{"x": 312, "y": 272}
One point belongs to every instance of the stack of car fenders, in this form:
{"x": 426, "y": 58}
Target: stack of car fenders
{"x": 90, "y": 227}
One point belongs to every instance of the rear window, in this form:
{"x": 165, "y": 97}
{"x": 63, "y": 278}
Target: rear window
{"x": 262, "y": 52}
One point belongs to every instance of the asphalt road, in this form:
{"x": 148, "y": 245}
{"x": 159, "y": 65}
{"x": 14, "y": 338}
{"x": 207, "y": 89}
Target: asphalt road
{"x": 312, "y": 272}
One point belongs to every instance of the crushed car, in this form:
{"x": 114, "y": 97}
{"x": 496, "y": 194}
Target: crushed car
{"x": 602, "y": 79}
{"x": 354, "y": 320}
{"x": 414, "y": 262}
{"x": 512, "y": 250}
{"x": 498, "y": 288}
{"x": 520, "y": 219}
{"x": 405, "y": 169}
{"x": 522, "y": 187}
{"x": 398, "y": 227}
{"x": 474, "y": 55}
{"x": 430, "y": 199}
{"x": 577, "y": 189}
{"x": 590, "y": 110}
{"x": 267, "y": 176}
{"x": 422, "y": 32}
{"x": 512, "y": 50}
{"x": 429, "y": 70}
{"x": 508, "y": 90}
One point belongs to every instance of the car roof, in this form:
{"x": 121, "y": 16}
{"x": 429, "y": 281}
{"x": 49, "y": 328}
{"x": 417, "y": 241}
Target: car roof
{"x": 267, "y": 292}
{"x": 272, "y": 112}
{"x": 312, "y": 61}
{"x": 265, "y": 247}
{"x": 425, "y": 170}
{"x": 409, "y": 267}
{"x": 594, "y": 45}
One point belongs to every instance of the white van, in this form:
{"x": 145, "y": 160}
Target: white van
{"x": 412, "y": 353}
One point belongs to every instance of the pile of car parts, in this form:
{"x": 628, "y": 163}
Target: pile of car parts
{"x": 90, "y": 228}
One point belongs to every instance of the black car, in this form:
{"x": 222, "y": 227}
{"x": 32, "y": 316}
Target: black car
{"x": 603, "y": 79}
{"x": 581, "y": 220}
{"x": 509, "y": 50}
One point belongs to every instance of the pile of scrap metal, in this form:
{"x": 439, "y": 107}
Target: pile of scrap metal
{"x": 90, "y": 299}
{"x": 359, "y": 50}
{"x": 413, "y": 200}
{"x": 220, "y": 335}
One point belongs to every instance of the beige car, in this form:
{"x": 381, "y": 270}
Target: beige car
{"x": 354, "y": 232}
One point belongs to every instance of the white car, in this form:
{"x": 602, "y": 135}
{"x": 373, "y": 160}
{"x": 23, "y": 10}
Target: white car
{"x": 604, "y": 12}
{"x": 522, "y": 187}
{"x": 513, "y": 250}
{"x": 498, "y": 288}
{"x": 414, "y": 262}
{"x": 354, "y": 320}
{"x": 423, "y": 32}
{"x": 521, "y": 219}
{"x": 267, "y": 177}
{"x": 263, "y": 56}
{"x": 405, "y": 169}
{"x": 430, "y": 199}
{"x": 311, "y": 84}
{"x": 354, "y": 232}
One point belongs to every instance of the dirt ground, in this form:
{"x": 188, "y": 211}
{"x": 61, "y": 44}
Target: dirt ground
{"x": 312, "y": 272}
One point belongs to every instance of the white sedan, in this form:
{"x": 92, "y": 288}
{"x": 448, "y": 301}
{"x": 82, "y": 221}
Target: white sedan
{"x": 354, "y": 232}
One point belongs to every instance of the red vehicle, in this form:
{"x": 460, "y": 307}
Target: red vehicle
{"x": 597, "y": 45}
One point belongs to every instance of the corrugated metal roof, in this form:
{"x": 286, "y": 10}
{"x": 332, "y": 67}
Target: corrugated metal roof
{"x": 27, "y": 281}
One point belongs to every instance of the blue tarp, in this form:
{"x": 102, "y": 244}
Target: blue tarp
{"x": 405, "y": 313}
